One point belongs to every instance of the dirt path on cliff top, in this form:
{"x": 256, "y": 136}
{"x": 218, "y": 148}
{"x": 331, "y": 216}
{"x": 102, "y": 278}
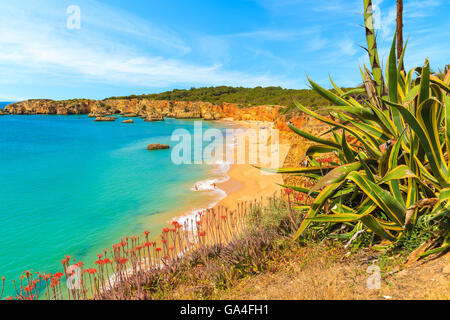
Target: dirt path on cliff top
{"x": 323, "y": 273}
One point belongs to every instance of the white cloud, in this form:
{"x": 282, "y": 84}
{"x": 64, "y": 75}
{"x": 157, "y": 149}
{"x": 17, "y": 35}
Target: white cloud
{"x": 36, "y": 42}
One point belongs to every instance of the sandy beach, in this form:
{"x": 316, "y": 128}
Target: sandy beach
{"x": 242, "y": 182}
{"x": 247, "y": 183}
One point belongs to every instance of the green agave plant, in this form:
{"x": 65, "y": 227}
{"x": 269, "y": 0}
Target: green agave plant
{"x": 397, "y": 168}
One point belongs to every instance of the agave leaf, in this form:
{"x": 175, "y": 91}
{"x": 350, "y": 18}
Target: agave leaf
{"x": 352, "y": 91}
{"x": 445, "y": 246}
{"x": 319, "y": 201}
{"x": 371, "y": 148}
{"x": 394, "y": 184}
{"x": 376, "y": 133}
{"x": 327, "y": 94}
{"x": 371, "y": 223}
{"x": 311, "y": 137}
{"x": 444, "y": 195}
{"x": 424, "y": 172}
{"x": 424, "y": 92}
{"x": 412, "y": 94}
{"x": 440, "y": 83}
{"x": 383, "y": 199}
{"x": 348, "y": 152}
{"x": 391, "y": 74}
{"x": 314, "y": 170}
{"x": 447, "y": 129}
{"x": 343, "y": 209}
{"x": 343, "y": 217}
{"x": 299, "y": 189}
{"x": 338, "y": 90}
{"x": 428, "y": 117}
{"x": 389, "y": 225}
{"x": 366, "y": 168}
{"x": 384, "y": 121}
{"x": 336, "y": 175}
{"x": 319, "y": 149}
{"x": 400, "y": 172}
{"x": 363, "y": 113}
{"x": 392, "y": 85}
{"x": 400, "y": 60}
{"x": 434, "y": 158}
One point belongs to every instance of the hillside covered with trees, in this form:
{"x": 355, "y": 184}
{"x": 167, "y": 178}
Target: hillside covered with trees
{"x": 243, "y": 96}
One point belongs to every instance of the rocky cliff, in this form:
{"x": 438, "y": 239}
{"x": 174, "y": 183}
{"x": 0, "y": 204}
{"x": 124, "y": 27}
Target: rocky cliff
{"x": 156, "y": 110}
{"x": 145, "y": 108}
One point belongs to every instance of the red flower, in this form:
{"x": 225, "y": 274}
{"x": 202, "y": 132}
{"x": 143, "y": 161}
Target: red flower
{"x": 158, "y": 249}
{"x": 324, "y": 160}
{"x": 122, "y": 260}
{"x": 90, "y": 271}
{"x": 288, "y": 191}
{"x": 147, "y": 232}
{"x": 202, "y": 234}
{"x": 28, "y": 288}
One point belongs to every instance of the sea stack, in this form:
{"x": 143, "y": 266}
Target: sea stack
{"x": 128, "y": 121}
{"x": 157, "y": 146}
{"x": 104, "y": 119}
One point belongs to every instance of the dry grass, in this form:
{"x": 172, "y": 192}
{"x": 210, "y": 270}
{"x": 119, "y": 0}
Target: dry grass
{"x": 319, "y": 272}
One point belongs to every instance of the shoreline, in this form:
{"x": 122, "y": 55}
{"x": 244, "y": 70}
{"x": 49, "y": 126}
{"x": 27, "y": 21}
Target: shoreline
{"x": 247, "y": 183}
{"x": 240, "y": 182}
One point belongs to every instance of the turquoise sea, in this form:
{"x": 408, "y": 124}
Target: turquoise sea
{"x": 70, "y": 185}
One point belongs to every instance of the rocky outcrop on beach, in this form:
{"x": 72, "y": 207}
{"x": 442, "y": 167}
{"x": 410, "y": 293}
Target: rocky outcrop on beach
{"x": 128, "y": 121}
{"x": 157, "y": 146}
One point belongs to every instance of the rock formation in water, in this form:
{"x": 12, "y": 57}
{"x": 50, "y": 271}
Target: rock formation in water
{"x": 105, "y": 119}
{"x": 128, "y": 121}
{"x": 157, "y": 146}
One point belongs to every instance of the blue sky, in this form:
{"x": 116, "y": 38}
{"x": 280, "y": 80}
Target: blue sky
{"x": 147, "y": 46}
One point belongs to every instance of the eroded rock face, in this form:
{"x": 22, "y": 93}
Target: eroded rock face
{"x": 150, "y": 110}
{"x": 157, "y": 146}
{"x": 44, "y": 106}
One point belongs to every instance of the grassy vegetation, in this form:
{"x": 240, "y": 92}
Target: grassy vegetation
{"x": 244, "y": 97}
